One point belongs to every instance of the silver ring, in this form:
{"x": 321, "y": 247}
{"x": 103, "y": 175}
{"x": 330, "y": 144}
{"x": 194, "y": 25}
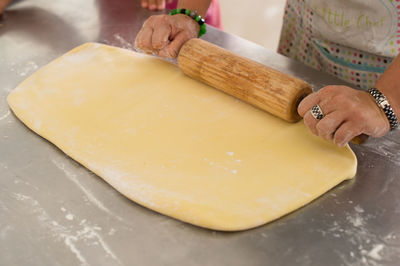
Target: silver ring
{"x": 316, "y": 112}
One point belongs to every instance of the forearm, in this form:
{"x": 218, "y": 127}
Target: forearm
{"x": 389, "y": 85}
{"x": 200, "y": 6}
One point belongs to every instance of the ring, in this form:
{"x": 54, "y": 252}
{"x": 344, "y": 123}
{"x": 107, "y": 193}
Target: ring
{"x": 316, "y": 112}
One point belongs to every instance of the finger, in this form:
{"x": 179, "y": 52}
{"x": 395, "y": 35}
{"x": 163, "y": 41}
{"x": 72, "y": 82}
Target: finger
{"x": 377, "y": 131}
{"x": 174, "y": 47}
{"x": 327, "y": 105}
{"x": 145, "y": 3}
{"x": 307, "y": 103}
{"x": 346, "y": 132}
{"x": 144, "y": 39}
{"x": 152, "y": 5}
{"x": 311, "y": 123}
{"x": 170, "y": 1}
{"x": 328, "y": 125}
{"x": 160, "y": 37}
{"x": 160, "y": 4}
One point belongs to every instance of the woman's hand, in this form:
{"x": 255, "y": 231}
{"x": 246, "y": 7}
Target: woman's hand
{"x": 3, "y": 5}
{"x": 164, "y": 35}
{"x": 347, "y": 114}
{"x": 155, "y": 4}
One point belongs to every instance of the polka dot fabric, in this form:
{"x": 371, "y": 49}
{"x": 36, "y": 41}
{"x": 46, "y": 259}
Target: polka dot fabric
{"x": 331, "y": 39}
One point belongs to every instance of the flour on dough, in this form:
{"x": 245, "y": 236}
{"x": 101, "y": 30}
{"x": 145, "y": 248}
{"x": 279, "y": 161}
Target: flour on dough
{"x": 175, "y": 145}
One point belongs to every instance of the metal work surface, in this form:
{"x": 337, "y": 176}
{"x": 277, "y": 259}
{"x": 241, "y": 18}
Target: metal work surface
{"x": 55, "y": 212}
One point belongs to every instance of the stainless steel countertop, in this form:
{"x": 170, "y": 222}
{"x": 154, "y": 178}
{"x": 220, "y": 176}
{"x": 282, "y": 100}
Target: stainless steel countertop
{"x": 55, "y": 212}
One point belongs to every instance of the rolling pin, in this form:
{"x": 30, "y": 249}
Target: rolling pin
{"x": 270, "y": 90}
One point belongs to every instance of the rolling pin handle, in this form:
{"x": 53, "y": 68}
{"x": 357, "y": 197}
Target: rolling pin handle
{"x": 360, "y": 139}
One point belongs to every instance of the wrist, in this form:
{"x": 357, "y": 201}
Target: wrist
{"x": 200, "y": 6}
{"x": 384, "y": 104}
{"x": 190, "y": 21}
{"x": 192, "y": 16}
{"x": 392, "y": 95}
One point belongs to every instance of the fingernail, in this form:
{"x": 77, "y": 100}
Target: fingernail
{"x": 144, "y": 4}
{"x": 153, "y": 7}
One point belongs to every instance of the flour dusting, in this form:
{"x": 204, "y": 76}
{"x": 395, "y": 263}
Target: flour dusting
{"x": 72, "y": 176}
{"x": 356, "y": 220}
{"x": 69, "y": 216}
{"x": 112, "y": 232}
{"x": 119, "y": 180}
{"x": 374, "y": 253}
{"x": 387, "y": 147}
{"x": 124, "y": 43}
{"x": 87, "y": 235}
{"x": 141, "y": 192}
{"x": 365, "y": 246}
{"x": 85, "y": 55}
{"x": 3, "y": 165}
{"x": 2, "y": 117}
{"x": 358, "y": 209}
{"x": 69, "y": 242}
{"x": 28, "y": 69}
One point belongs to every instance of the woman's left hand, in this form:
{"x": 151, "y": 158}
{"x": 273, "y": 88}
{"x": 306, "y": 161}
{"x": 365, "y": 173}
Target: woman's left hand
{"x": 347, "y": 113}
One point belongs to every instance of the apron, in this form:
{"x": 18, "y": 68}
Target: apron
{"x": 354, "y": 40}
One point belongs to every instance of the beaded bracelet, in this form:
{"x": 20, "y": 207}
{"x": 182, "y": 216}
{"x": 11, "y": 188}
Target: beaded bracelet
{"x": 193, "y": 15}
{"x": 383, "y": 103}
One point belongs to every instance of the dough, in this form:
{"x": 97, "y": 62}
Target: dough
{"x": 175, "y": 145}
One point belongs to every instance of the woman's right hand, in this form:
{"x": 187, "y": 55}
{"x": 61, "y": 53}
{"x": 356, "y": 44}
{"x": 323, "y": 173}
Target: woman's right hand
{"x": 3, "y": 5}
{"x": 164, "y": 35}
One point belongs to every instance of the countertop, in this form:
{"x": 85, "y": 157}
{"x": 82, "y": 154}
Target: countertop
{"x": 55, "y": 212}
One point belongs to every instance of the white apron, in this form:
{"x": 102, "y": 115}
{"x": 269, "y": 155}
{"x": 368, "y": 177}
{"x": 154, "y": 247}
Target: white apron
{"x": 354, "y": 40}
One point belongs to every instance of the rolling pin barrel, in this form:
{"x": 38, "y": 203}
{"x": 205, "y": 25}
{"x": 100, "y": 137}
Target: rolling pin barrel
{"x": 270, "y": 90}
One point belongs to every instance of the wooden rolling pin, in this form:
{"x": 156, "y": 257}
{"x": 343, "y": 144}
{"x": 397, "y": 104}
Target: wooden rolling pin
{"x": 268, "y": 89}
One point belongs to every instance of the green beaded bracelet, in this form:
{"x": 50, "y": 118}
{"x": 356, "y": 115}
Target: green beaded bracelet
{"x": 193, "y": 15}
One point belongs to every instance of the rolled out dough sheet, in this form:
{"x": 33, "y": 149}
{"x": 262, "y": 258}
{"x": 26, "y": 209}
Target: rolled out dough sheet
{"x": 175, "y": 145}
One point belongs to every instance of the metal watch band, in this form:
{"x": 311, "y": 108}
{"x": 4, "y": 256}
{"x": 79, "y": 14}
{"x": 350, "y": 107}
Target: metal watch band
{"x": 383, "y": 103}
